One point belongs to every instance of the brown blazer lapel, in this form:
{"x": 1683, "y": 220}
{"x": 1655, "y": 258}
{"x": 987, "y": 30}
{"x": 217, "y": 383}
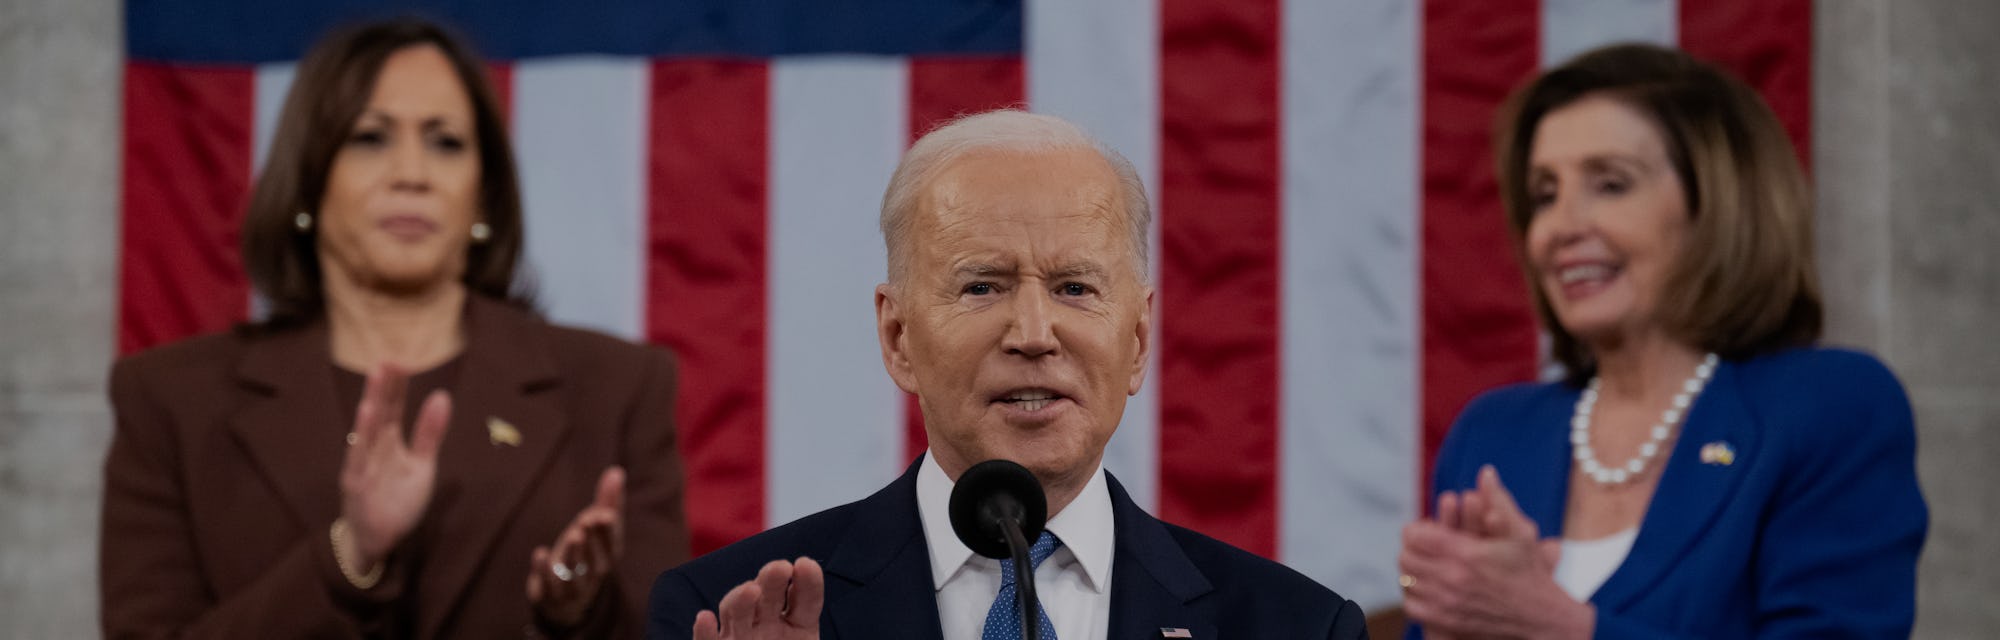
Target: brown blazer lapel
{"x": 508, "y": 373}
{"x": 290, "y": 424}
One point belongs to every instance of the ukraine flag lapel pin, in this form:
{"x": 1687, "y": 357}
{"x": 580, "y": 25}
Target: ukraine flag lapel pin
{"x": 1718, "y": 453}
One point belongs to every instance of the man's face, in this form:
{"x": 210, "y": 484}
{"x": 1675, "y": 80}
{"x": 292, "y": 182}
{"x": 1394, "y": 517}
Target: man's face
{"x": 1021, "y": 320}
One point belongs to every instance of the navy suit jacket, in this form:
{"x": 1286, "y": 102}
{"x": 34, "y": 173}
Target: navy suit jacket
{"x": 1813, "y": 529}
{"x": 878, "y": 578}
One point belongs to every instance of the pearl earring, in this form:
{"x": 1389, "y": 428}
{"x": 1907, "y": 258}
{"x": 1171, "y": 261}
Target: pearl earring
{"x": 303, "y": 221}
{"x": 481, "y": 232}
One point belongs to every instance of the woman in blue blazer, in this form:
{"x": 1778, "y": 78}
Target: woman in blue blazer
{"x": 1702, "y": 471}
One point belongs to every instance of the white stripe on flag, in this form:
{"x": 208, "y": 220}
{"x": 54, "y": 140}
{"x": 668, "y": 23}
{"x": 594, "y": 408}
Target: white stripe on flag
{"x": 838, "y": 125}
{"x": 1570, "y": 27}
{"x": 1349, "y": 455}
{"x": 580, "y": 134}
{"x": 1097, "y": 64}
{"x": 273, "y": 81}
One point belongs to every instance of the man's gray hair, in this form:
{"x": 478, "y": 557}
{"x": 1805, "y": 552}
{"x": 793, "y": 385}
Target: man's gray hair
{"x": 1002, "y": 130}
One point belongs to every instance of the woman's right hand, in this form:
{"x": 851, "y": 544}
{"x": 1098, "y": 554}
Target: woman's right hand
{"x": 1480, "y": 570}
{"x": 384, "y": 483}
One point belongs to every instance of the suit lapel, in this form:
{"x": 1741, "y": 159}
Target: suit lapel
{"x": 1152, "y": 580}
{"x": 1691, "y": 491}
{"x": 291, "y": 428}
{"x": 879, "y": 576}
{"x": 508, "y": 373}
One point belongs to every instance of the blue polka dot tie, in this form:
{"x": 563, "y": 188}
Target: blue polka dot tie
{"x": 1003, "y": 621}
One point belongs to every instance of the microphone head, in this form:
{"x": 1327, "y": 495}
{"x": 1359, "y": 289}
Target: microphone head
{"x": 994, "y": 494}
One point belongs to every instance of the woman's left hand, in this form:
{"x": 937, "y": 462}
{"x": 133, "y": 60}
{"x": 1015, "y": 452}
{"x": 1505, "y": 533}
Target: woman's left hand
{"x": 565, "y": 580}
{"x": 1480, "y": 570}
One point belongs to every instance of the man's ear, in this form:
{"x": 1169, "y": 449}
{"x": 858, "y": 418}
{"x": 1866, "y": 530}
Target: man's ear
{"x": 1143, "y": 333}
{"x": 891, "y": 331}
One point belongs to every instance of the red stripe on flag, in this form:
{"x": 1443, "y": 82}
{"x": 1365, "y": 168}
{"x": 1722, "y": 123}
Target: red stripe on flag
{"x": 1219, "y": 269}
{"x": 941, "y": 89}
{"x": 1767, "y": 44}
{"x": 501, "y": 75}
{"x": 915, "y": 439}
{"x": 188, "y": 137}
{"x": 1478, "y": 332}
{"x": 707, "y": 249}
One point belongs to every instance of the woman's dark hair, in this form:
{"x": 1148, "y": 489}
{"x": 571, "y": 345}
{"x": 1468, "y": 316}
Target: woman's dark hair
{"x": 331, "y": 89}
{"x": 1744, "y": 282}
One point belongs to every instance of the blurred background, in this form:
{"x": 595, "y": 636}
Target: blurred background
{"x": 1335, "y": 280}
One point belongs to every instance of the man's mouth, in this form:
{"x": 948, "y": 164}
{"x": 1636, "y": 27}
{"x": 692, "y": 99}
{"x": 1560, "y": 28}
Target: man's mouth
{"x": 1029, "y": 400}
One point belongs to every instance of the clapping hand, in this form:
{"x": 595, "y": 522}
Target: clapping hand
{"x": 1479, "y": 569}
{"x": 782, "y": 603}
{"x": 386, "y": 484}
{"x": 565, "y": 580}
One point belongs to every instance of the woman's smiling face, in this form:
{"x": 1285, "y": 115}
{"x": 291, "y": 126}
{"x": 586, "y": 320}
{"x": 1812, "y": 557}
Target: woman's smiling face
{"x": 1610, "y": 214}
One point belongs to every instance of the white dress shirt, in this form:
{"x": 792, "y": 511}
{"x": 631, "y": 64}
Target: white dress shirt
{"x": 1074, "y": 584}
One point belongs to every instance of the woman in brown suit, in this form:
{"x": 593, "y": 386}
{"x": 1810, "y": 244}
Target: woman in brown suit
{"x": 284, "y": 480}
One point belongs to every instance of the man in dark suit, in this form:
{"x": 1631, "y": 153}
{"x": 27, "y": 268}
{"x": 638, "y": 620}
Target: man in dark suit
{"x": 1018, "y": 312}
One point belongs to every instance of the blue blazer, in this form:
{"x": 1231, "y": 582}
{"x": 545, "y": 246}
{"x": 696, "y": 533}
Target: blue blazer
{"x": 1813, "y": 530}
{"x": 878, "y": 578}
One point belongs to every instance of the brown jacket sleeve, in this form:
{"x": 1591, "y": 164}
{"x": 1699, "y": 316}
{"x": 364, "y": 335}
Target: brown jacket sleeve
{"x": 656, "y": 535}
{"x": 151, "y": 581}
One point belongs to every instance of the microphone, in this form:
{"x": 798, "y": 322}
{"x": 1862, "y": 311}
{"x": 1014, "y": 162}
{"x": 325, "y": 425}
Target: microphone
{"x": 996, "y": 508}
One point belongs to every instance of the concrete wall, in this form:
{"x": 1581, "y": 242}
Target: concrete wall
{"x": 1907, "y": 100}
{"x": 1907, "y": 155}
{"x": 60, "y": 75}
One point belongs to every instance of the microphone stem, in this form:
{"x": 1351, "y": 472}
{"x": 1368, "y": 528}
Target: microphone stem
{"x": 1024, "y": 581}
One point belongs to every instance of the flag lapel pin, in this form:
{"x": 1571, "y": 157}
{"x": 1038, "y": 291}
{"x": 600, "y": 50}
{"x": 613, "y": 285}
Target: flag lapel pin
{"x": 1718, "y": 453}
{"x": 499, "y": 432}
{"x": 1175, "y": 632}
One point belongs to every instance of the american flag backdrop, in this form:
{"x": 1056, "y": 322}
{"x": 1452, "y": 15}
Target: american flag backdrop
{"x": 1334, "y": 274}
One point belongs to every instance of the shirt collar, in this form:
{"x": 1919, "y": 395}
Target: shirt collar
{"x": 1084, "y": 527}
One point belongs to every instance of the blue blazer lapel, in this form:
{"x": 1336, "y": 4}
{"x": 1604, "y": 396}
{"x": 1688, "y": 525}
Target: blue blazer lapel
{"x": 1691, "y": 492}
{"x": 1539, "y": 474}
{"x": 1152, "y": 580}
{"x": 878, "y": 579}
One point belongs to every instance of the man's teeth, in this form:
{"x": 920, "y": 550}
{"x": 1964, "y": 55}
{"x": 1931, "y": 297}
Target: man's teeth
{"x": 1582, "y": 272}
{"x": 1032, "y": 400}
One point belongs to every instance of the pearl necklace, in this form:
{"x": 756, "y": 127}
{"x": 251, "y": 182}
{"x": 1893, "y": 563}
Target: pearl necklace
{"x": 1579, "y": 428}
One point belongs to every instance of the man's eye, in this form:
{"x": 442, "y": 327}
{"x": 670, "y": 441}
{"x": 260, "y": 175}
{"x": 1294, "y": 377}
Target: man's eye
{"x": 979, "y": 289}
{"x": 1074, "y": 289}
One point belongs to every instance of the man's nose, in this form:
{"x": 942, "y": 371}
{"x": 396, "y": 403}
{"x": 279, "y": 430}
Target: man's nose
{"x": 1032, "y": 332}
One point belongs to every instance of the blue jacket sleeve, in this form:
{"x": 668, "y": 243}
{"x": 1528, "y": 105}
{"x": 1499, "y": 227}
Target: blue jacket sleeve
{"x": 1838, "y": 555}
